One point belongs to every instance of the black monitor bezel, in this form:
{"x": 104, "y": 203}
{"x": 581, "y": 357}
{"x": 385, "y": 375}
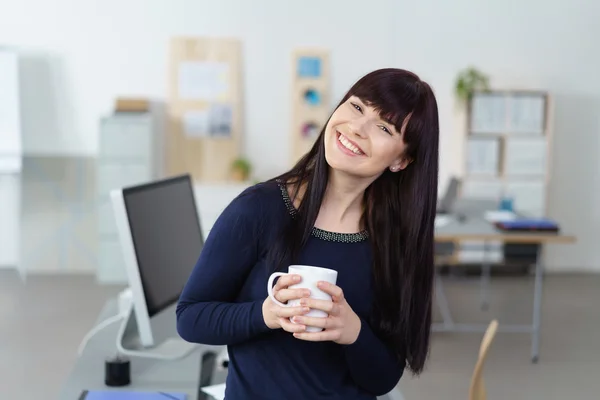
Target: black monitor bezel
{"x": 152, "y": 311}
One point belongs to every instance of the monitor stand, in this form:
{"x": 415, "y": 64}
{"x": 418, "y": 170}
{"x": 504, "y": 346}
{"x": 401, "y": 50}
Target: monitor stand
{"x": 128, "y": 343}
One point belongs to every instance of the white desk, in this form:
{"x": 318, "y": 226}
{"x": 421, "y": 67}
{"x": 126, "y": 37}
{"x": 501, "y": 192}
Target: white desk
{"x": 146, "y": 375}
{"x": 476, "y": 228}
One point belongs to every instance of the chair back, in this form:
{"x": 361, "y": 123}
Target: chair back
{"x": 477, "y": 388}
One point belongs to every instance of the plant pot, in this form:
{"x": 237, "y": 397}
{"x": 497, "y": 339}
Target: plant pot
{"x": 239, "y": 175}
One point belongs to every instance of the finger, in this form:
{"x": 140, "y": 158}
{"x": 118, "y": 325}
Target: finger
{"x": 284, "y": 295}
{"x": 288, "y": 326}
{"x": 327, "y": 335}
{"x": 320, "y": 322}
{"x": 288, "y": 312}
{"x": 328, "y": 306}
{"x": 332, "y": 289}
{"x": 286, "y": 280}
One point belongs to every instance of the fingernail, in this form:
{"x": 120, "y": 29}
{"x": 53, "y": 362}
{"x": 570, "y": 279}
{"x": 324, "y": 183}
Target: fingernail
{"x": 296, "y": 278}
{"x": 305, "y": 309}
{"x": 297, "y": 319}
{"x": 307, "y": 293}
{"x": 303, "y": 302}
{"x": 321, "y": 284}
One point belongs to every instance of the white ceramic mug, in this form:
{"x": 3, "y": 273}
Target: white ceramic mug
{"x": 310, "y": 277}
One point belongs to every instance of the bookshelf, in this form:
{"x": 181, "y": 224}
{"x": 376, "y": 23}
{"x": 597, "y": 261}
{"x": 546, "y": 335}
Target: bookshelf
{"x": 507, "y": 150}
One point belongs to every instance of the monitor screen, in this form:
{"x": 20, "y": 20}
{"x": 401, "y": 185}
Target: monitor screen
{"x": 167, "y": 238}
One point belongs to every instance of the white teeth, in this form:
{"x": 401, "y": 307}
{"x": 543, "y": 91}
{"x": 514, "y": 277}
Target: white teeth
{"x": 349, "y": 145}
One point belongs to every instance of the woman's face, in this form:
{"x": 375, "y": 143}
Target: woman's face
{"x": 359, "y": 142}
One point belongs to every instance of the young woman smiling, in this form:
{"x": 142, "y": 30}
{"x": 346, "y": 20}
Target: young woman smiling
{"x": 362, "y": 201}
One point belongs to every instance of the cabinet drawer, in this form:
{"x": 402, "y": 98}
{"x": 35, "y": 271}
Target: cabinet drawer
{"x": 116, "y": 176}
{"x": 126, "y": 139}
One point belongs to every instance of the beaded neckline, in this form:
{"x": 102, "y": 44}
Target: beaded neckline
{"x": 320, "y": 233}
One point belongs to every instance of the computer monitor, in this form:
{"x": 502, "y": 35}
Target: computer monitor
{"x": 446, "y": 205}
{"x": 161, "y": 239}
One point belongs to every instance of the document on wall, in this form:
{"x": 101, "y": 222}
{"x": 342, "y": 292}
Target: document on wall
{"x": 203, "y": 81}
{"x": 196, "y": 123}
{"x": 527, "y": 114}
{"x": 488, "y": 113}
{"x": 526, "y": 156}
{"x": 483, "y": 156}
{"x": 215, "y": 121}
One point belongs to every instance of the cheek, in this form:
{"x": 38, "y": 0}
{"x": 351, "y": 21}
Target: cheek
{"x": 386, "y": 150}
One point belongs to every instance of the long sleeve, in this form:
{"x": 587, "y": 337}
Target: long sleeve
{"x": 373, "y": 366}
{"x": 207, "y": 312}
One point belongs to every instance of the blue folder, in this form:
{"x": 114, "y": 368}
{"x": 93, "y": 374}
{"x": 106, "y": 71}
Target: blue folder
{"x": 128, "y": 395}
{"x": 529, "y": 224}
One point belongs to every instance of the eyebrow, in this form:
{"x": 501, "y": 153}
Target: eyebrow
{"x": 387, "y": 121}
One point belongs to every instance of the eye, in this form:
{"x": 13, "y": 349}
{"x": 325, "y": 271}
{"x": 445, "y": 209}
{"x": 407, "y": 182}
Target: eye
{"x": 385, "y": 129}
{"x": 357, "y": 107}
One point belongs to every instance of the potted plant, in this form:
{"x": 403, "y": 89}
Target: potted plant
{"x": 468, "y": 81}
{"x": 241, "y": 169}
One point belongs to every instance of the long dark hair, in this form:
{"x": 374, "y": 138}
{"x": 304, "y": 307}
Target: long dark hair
{"x": 399, "y": 212}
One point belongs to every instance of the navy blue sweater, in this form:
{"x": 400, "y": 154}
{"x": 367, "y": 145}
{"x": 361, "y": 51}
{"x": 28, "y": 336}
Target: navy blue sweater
{"x": 221, "y": 304}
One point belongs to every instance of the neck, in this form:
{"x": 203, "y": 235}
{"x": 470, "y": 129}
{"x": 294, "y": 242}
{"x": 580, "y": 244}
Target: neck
{"x": 342, "y": 203}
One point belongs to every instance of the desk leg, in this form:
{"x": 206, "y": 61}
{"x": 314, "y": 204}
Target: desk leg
{"x": 442, "y": 302}
{"x": 537, "y": 307}
{"x": 486, "y": 271}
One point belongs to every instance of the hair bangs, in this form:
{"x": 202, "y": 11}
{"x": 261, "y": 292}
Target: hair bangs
{"x": 394, "y": 96}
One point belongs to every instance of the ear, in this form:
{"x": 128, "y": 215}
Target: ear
{"x": 400, "y": 164}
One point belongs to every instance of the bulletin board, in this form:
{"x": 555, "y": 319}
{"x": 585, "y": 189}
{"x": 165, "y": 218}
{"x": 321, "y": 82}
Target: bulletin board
{"x": 310, "y": 98}
{"x": 204, "y": 108}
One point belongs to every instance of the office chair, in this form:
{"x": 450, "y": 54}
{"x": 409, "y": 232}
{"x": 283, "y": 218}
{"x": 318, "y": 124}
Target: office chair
{"x": 477, "y": 388}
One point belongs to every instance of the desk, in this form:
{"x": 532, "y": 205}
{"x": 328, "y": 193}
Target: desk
{"x": 149, "y": 375}
{"x": 475, "y": 227}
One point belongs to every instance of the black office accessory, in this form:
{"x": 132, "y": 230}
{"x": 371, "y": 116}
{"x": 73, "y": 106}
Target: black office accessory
{"x": 117, "y": 371}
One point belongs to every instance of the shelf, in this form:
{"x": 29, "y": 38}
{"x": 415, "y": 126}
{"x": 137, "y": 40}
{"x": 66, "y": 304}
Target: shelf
{"x": 508, "y": 148}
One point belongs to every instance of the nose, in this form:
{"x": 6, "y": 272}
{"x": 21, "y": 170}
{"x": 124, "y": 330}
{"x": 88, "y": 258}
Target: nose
{"x": 359, "y": 127}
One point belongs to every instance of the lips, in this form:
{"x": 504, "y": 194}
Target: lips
{"x": 349, "y": 145}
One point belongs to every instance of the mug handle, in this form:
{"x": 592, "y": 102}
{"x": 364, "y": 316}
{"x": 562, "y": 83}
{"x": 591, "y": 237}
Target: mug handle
{"x": 270, "y": 287}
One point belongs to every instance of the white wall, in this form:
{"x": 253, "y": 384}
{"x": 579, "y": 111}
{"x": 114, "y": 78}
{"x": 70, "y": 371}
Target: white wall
{"x": 80, "y": 55}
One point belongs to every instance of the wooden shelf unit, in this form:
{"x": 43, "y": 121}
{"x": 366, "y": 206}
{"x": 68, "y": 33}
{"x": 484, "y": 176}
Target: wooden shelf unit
{"x": 508, "y": 148}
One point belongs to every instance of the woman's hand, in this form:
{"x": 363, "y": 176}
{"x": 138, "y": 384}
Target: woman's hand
{"x": 276, "y": 316}
{"x": 342, "y": 326}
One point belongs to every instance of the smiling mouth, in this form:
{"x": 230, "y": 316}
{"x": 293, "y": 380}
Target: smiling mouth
{"x": 349, "y": 145}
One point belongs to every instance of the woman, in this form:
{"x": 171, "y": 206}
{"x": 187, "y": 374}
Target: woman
{"x": 362, "y": 201}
